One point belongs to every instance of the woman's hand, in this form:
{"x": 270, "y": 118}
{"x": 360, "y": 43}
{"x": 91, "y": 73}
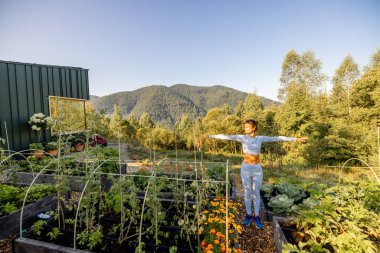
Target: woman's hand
{"x": 302, "y": 139}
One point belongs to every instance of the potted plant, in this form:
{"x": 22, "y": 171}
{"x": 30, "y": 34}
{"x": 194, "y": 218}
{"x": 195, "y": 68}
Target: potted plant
{"x": 68, "y": 142}
{"x": 37, "y": 149}
{"x": 98, "y": 140}
{"x": 52, "y": 148}
{"x": 39, "y": 122}
{"x": 79, "y": 145}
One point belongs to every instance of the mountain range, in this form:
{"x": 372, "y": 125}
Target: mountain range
{"x": 167, "y": 104}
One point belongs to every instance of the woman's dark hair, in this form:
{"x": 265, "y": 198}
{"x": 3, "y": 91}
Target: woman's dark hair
{"x": 253, "y": 123}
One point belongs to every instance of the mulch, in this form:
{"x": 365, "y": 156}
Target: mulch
{"x": 6, "y": 245}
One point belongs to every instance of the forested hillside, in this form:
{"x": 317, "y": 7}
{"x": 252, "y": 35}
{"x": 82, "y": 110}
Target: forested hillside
{"x": 340, "y": 124}
{"x": 167, "y": 104}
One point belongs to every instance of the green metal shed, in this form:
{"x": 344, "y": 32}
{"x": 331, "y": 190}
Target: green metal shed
{"x": 25, "y": 89}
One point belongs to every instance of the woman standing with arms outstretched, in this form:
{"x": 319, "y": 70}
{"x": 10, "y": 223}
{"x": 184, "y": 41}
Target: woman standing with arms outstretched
{"x": 251, "y": 171}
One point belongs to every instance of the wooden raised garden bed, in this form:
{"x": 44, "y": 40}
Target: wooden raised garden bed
{"x": 10, "y": 224}
{"x": 76, "y": 183}
{"x": 26, "y": 245}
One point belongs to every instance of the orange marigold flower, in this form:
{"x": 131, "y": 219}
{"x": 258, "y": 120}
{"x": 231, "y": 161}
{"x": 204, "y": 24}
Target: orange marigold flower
{"x": 212, "y": 231}
{"x": 203, "y": 244}
{"x": 199, "y": 231}
{"x": 223, "y": 249}
{"x": 216, "y": 242}
{"x": 213, "y": 203}
{"x": 209, "y": 247}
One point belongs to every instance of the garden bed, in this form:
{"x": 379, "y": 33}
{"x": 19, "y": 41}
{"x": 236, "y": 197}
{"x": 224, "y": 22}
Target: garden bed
{"x": 64, "y": 241}
{"x": 76, "y": 183}
{"x": 267, "y": 213}
{"x": 26, "y": 245}
{"x": 10, "y": 223}
{"x": 281, "y": 200}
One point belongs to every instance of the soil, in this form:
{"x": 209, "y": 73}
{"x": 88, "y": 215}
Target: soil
{"x": 6, "y": 245}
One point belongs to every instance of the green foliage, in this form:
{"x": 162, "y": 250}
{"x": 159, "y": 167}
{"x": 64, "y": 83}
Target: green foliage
{"x": 38, "y": 226}
{"x": 36, "y": 146}
{"x": 281, "y": 203}
{"x": 292, "y": 191}
{"x": 116, "y": 123}
{"x": 301, "y": 71}
{"x": 341, "y": 222}
{"x": 8, "y": 208}
{"x": 54, "y": 233}
{"x": 94, "y": 239}
{"x": 12, "y": 197}
{"x": 267, "y": 188}
{"x": 163, "y": 138}
{"x": 167, "y": 104}
{"x": 339, "y": 125}
{"x": 52, "y": 146}
{"x": 252, "y": 107}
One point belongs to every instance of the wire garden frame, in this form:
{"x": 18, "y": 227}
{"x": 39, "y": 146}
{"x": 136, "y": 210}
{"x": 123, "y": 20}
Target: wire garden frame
{"x": 92, "y": 171}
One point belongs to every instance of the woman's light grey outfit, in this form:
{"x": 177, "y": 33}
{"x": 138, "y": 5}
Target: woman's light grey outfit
{"x": 252, "y": 174}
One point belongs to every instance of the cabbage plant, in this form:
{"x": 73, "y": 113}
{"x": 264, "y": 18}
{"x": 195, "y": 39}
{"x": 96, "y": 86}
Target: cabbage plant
{"x": 281, "y": 203}
{"x": 267, "y": 188}
{"x": 292, "y": 191}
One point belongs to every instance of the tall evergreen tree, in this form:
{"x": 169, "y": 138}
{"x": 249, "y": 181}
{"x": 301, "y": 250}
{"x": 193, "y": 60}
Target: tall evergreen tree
{"x": 252, "y": 107}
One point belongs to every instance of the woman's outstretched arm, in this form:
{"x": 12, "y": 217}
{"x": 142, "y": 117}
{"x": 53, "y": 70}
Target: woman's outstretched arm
{"x": 282, "y": 138}
{"x": 225, "y": 137}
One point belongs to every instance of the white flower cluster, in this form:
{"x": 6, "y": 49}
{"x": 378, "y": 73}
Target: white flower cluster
{"x": 39, "y": 121}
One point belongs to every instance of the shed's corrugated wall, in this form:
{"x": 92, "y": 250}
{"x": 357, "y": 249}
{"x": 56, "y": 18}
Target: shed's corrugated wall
{"x": 25, "y": 90}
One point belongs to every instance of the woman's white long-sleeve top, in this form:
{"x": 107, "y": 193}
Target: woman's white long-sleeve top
{"x": 251, "y": 145}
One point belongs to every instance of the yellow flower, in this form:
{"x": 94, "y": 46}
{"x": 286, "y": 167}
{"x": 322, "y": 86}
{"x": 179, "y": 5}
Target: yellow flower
{"x": 213, "y": 203}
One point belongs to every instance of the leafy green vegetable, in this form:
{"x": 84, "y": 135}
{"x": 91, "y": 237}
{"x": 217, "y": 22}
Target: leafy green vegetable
{"x": 281, "y": 203}
{"x": 38, "y": 226}
{"x": 292, "y": 191}
{"x": 267, "y": 188}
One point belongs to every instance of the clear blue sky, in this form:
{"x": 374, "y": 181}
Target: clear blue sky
{"x": 241, "y": 44}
